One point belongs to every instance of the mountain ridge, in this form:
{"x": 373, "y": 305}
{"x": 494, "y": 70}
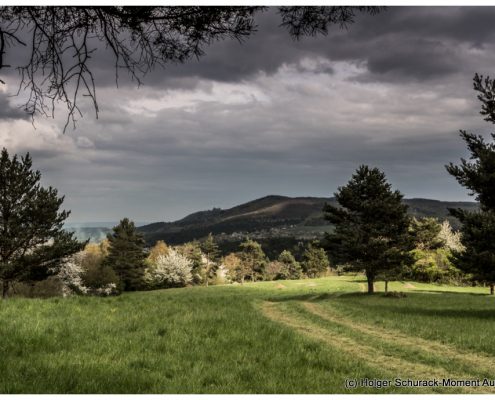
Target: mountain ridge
{"x": 272, "y": 212}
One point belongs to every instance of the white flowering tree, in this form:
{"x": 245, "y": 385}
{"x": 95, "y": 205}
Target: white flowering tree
{"x": 451, "y": 239}
{"x": 171, "y": 270}
{"x": 70, "y": 275}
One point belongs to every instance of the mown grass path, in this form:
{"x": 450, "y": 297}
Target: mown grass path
{"x": 484, "y": 364}
{"x": 397, "y": 364}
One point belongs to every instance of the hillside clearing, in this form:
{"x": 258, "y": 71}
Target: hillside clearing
{"x": 252, "y": 338}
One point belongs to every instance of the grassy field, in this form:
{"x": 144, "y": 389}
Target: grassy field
{"x": 305, "y": 336}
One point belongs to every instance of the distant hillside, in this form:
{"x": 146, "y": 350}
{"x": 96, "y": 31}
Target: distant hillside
{"x": 271, "y": 217}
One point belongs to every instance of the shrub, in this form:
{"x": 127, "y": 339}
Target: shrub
{"x": 109, "y": 289}
{"x": 315, "y": 262}
{"x": 273, "y": 270}
{"x": 220, "y": 276}
{"x": 434, "y": 266}
{"x": 291, "y": 269}
{"x": 172, "y": 270}
{"x": 50, "y": 287}
{"x": 98, "y": 278}
{"x": 232, "y": 263}
{"x": 394, "y": 294}
{"x": 192, "y": 251}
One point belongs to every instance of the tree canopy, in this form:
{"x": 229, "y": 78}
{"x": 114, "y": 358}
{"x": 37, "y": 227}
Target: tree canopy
{"x": 425, "y": 233}
{"x": 252, "y": 260}
{"x": 477, "y": 255}
{"x": 33, "y": 242}
{"x": 371, "y": 226}
{"x": 126, "y": 255}
{"x": 315, "y": 260}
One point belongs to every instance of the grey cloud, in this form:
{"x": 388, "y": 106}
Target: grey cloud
{"x": 399, "y": 43}
{"x": 8, "y": 111}
{"x": 401, "y": 112}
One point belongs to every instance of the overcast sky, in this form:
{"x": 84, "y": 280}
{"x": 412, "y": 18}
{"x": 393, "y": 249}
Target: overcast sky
{"x": 272, "y": 116}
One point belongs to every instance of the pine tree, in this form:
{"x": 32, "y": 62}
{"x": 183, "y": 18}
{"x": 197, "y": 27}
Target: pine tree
{"x": 476, "y": 255}
{"x": 478, "y": 227}
{"x": 126, "y": 255}
{"x": 371, "y": 226}
{"x": 478, "y": 239}
{"x": 315, "y": 261}
{"x": 210, "y": 249}
{"x": 33, "y": 243}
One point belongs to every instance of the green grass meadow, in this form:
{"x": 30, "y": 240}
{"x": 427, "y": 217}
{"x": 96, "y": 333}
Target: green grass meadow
{"x": 305, "y": 336}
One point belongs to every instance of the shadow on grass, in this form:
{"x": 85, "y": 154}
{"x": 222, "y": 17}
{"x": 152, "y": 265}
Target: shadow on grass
{"x": 441, "y": 312}
{"x": 402, "y": 306}
{"x": 314, "y": 297}
{"x": 437, "y": 292}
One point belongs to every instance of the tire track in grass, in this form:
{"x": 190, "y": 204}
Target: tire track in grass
{"x": 394, "y": 365}
{"x": 439, "y": 350}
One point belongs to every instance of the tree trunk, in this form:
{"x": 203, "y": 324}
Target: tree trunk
{"x": 207, "y": 271}
{"x": 386, "y": 286}
{"x": 491, "y": 288}
{"x": 5, "y": 289}
{"x": 371, "y": 285}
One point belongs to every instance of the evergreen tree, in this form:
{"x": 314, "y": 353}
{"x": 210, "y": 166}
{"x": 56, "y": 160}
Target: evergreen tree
{"x": 253, "y": 260}
{"x": 476, "y": 255}
{"x": 478, "y": 239}
{"x": 291, "y": 269}
{"x": 425, "y": 233}
{"x": 126, "y": 255}
{"x": 477, "y": 175}
{"x": 33, "y": 243}
{"x": 315, "y": 261}
{"x": 210, "y": 249}
{"x": 371, "y": 226}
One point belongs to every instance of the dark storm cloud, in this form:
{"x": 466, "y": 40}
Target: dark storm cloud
{"x": 8, "y": 111}
{"x": 274, "y": 116}
{"x": 409, "y": 43}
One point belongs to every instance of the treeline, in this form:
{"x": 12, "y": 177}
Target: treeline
{"x": 122, "y": 263}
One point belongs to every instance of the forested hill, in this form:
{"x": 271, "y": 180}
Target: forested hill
{"x": 272, "y": 216}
